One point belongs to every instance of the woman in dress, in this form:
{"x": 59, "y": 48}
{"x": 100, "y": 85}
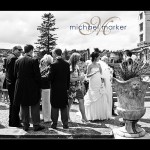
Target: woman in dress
{"x": 96, "y": 98}
{"x": 44, "y": 69}
{"x": 75, "y": 90}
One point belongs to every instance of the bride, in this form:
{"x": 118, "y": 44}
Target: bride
{"x": 96, "y": 99}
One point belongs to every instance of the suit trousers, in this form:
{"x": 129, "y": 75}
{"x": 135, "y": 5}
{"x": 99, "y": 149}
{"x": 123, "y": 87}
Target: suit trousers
{"x": 13, "y": 109}
{"x": 55, "y": 115}
{"x": 35, "y": 114}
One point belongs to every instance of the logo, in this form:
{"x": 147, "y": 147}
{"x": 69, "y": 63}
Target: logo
{"x": 95, "y": 25}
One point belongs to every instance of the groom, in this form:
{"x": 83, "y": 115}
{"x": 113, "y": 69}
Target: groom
{"x": 60, "y": 79}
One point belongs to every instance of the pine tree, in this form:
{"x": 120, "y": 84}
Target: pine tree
{"x": 47, "y": 41}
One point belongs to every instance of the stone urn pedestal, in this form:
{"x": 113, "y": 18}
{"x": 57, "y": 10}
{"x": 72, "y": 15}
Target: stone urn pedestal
{"x": 131, "y": 108}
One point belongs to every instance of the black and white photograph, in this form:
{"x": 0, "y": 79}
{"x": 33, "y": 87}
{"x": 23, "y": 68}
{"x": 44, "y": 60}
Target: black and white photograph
{"x": 75, "y": 74}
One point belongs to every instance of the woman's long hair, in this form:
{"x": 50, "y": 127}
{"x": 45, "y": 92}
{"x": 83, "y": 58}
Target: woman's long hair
{"x": 74, "y": 58}
{"x": 45, "y": 62}
{"x": 94, "y": 55}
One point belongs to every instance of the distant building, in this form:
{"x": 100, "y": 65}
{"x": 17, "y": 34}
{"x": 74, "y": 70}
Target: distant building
{"x": 143, "y": 46}
{"x": 144, "y": 28}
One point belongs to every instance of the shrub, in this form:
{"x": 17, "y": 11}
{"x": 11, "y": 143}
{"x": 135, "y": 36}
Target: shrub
{"x": 126, "y": 71}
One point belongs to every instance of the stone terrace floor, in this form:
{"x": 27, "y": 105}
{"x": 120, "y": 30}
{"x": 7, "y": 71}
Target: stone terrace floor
{"x": 94, "y": 130}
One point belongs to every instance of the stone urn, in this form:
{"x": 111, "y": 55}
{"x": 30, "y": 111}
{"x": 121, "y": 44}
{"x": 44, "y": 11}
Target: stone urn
{"x": 130, "y": 107}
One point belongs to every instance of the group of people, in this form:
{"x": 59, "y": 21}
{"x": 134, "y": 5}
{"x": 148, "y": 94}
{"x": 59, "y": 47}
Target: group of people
{"x": 23, "y": 81}
{"x": 57, "y": 83}
{"x": 95, "y": 102}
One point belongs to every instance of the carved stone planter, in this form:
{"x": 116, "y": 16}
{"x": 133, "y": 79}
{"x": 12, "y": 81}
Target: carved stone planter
{"x": 131, "y": 108}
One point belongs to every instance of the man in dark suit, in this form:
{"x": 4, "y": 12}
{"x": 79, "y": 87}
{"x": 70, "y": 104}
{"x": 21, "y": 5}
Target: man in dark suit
{"x": 14, "y": 120}
{"x": 60, "y": 79}
{"x": 28, "y": 88}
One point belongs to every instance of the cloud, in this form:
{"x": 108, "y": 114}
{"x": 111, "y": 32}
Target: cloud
{"x": 20, "y": 27}
{"x": 121, "y": 39}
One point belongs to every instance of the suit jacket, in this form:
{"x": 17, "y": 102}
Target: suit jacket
{"x": 10, "y": 78}
{"x": 59, "y": 77}
{"x": 28, "y": 81}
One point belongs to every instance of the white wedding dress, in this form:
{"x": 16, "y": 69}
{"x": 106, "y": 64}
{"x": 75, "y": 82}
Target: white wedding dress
{"x": 96, "y": 100}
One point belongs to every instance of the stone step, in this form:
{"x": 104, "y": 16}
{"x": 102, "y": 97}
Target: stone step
{"x": 71, "y": 133}
{"x": 147, "y": 93}
{"x": 147, "y": 98}
{"x": 77, "y": 129}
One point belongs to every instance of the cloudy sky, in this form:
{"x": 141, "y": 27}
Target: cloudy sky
{"x": 20, "y": 27}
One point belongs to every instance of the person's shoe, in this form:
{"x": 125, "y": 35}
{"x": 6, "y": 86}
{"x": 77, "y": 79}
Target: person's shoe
{"x": 38, "y": 128}
{"x": 85, "y": 121}
{"x": 53, "y": 126}
{"x": 26, "y": 127}
{"x": 114, "y": 114}
{"x": 65, "y": 127}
